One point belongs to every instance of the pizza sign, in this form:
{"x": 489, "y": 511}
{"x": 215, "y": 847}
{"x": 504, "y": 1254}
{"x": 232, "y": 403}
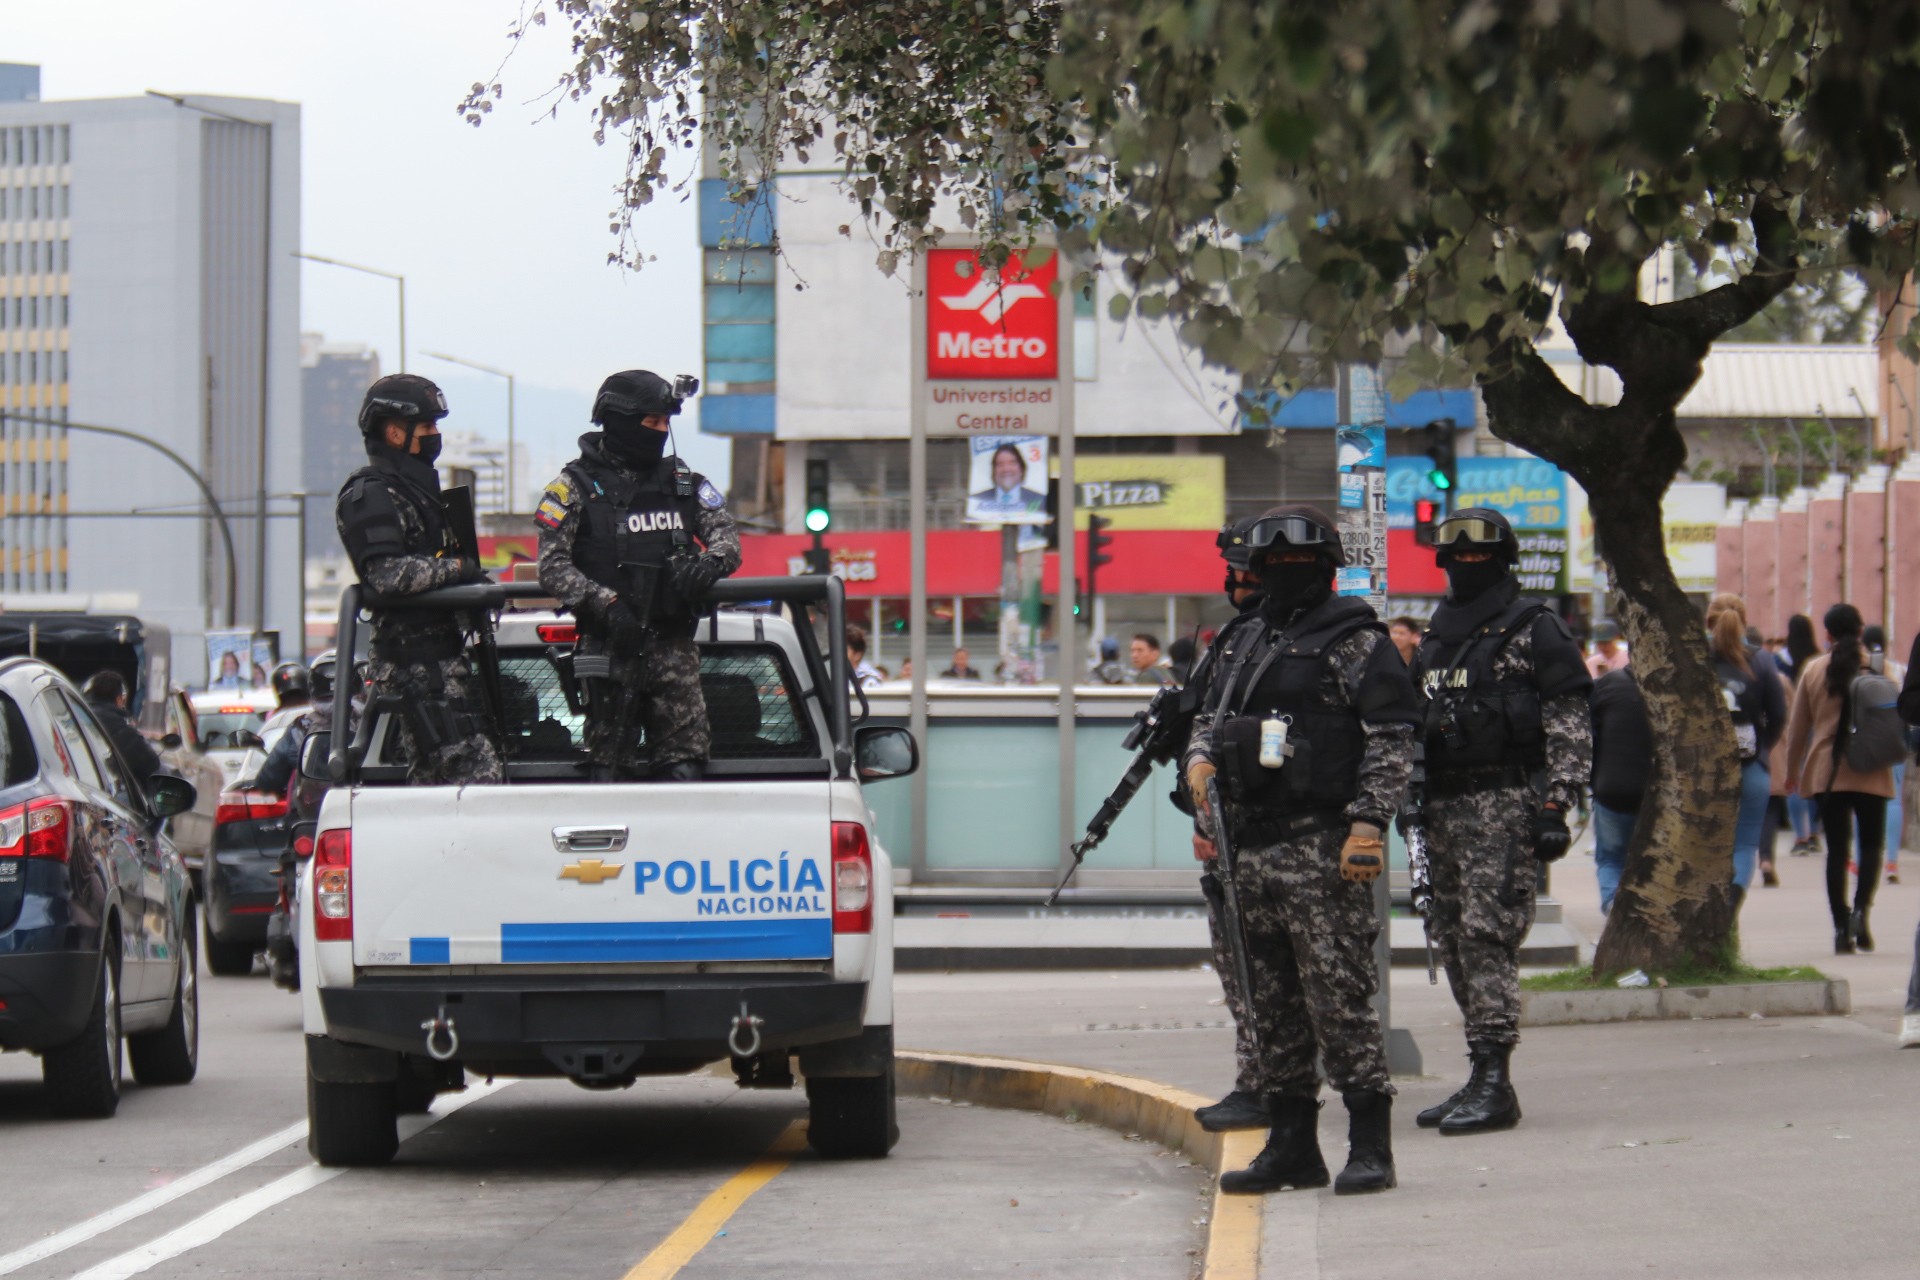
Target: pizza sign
{"x": 983, "y": 325}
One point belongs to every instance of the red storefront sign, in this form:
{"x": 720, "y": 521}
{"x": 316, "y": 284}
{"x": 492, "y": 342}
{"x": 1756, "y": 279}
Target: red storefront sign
{"x": 966, "y": 562}
{"x": 980, "y": 325}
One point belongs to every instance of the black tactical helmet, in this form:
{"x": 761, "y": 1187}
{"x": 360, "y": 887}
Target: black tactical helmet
{"x": 322, "y": 673}
{"x": 1299, "y": 527}
{"x": 406, "y": 396}
{"x": 288, "y": 678}
{"x": 636, "y": 393}
{"x": 1478, "y": 529}
{"x": 1232, "y": 541}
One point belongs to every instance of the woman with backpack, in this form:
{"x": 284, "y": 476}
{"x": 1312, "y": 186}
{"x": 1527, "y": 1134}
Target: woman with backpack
{"x": 1755, "y": 699}
{"x": 1819, "y": 733}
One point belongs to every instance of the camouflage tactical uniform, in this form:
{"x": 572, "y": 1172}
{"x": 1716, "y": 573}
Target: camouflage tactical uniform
{"x": 661, "y": 668}
{"x": 1310, "y": 934}
{"x": 391, "y": 524}
{"x": 1480, "y": 839}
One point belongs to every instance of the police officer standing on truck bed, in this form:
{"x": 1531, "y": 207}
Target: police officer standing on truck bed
{"x": 631, "y": 540}
{"x": 1310, "y": 725}
{"x": 1245, "y": 1106}
{"x": 395, "y": 529}
{"x": 1505, "y": 689}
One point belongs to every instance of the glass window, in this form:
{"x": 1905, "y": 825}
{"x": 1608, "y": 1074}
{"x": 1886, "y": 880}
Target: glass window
{"x": 20, "y": 761}
{"x": 739, "y": 267}
{"x": 119, "y": 782}
{"x": 740, "y": 342}
{"x": 75, "y": 756}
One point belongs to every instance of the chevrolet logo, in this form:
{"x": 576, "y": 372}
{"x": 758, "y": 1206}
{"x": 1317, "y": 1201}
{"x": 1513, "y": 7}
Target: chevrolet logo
{"x": 591, "y": 871}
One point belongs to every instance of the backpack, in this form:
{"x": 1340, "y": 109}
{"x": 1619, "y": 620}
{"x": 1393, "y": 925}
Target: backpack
{"x": 1874, "y": 733}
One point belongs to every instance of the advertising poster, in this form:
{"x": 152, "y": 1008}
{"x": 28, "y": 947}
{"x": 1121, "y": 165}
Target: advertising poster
{"x": 1531, "y": 494}
{"x": 1153, "y": 491}
{"x": 241, "y": 659}
{"x": 1007, "y": 480}
{"x": 1361, "y": 455}
{"x": 1690, "y": 515}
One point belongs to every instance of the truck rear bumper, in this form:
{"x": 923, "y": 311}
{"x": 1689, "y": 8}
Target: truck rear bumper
{"x": 542, "y": 1021}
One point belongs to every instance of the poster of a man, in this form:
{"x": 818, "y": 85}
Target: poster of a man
{"x": 998, "y": 488}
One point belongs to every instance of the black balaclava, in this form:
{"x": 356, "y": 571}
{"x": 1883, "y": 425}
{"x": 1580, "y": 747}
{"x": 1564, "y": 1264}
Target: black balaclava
{"x": 631, "y": 442}
{"x": 1468, "y": 581}
{"x": 1292, "y": 589}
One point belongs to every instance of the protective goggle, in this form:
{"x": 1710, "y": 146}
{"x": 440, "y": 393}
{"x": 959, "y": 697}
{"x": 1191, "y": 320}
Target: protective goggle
{"x": 1294, "y": 531}
{"x": 408, "y": 410}
{"x": 1469, "y": 529}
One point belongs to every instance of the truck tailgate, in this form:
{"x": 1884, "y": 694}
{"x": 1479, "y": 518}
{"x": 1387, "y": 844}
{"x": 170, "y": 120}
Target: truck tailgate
{"x": 592, "y": 873}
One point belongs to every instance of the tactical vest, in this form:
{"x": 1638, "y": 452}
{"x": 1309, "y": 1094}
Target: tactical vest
{"x": 1285, "y": 673}
{"x": 370, "y": 529}
{"x": 1474, "y": 721}
{"x": 630, "y": 529}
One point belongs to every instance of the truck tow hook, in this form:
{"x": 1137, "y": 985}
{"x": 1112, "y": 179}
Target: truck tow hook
{"x": 439, "y": 1029}
{"x": 748, "y": 1025}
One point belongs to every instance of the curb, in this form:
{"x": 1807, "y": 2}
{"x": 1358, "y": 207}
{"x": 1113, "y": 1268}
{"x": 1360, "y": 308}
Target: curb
{"x": 1126, "y": 1104}
{"x": 1652, "y": 1004}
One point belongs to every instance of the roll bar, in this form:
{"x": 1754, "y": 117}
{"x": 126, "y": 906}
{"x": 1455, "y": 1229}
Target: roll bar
{"x": 803, "y": 593}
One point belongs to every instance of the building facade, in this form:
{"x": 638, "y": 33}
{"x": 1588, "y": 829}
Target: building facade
{"x": 149, "y": 287}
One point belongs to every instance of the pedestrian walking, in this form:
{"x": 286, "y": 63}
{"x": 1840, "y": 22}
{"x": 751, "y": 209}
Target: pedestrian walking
{"x": 1821, "y": 772}
{"x": 1622, "y": 767}
{"x": 1506, "y": 699}
{"x": 1757, "y": 704}
{"x": 1910, "y": 712}
{"x": 1801, "y": 811}
{"x": 1875, "y": 639}
{"x": 1310, "y": 727}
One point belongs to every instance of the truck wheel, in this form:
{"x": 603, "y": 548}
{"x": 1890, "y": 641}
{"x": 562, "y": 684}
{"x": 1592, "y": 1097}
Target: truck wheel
{"x": 228, "y": 959}
{"x": 171, "y": 1055}
{"x": 414, "y": 1089}
{"x": 350, "y": 1124}
{"x": 83, "y": 1075}
{"x": 851, "y": 1117}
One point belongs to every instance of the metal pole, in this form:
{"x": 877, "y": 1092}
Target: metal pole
{"x": 512, "y": 493}
{"x": 300, "y": 572}
{"x": 402, "y": 282}
{"x": 394, "y": 276}
{"x": 206, "y": 491}
{"x": 507, "y": 500}
{"x": 917, "y": 568}
{"x": 1063, "y": 608}
{"x": 266, "y": 349}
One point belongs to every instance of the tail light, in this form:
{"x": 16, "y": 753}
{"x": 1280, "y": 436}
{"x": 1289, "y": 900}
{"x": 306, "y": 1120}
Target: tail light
{"x": 852, "y": 879}
{"x": 248, "y": 806}
{"x": 557, "y": 632}
{"x": 303, "y": 846}
{"x": 40, "y": 828}
{"x": 333, "y": 886}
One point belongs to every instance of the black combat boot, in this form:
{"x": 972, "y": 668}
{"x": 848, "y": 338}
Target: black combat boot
{"x": 1862, "y": 940}
{"x": 1842, "y": 933}
{"x": 1241, "y": 1109}
{"x": 1490, "y": 1104}
{"x": 1291, "y": 1157}
{"x": 1369, "y": 1144}
{"x": 1433, "y": 1115}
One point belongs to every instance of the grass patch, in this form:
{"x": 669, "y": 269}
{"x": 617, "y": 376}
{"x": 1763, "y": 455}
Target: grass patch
{"x": 1581, "y": 978}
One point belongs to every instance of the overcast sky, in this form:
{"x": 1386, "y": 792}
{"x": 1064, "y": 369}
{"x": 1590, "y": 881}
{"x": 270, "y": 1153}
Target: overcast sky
{"x": 501, "y": 231}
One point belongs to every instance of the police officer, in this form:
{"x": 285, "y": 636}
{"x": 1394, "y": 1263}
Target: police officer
{"x": 631, "y": 540}
{"x": 1505, "y": 691}
{"x": 1245, "y": 1106}
{"x": 395, "y": 529}
{"x": 1308, "y": 815}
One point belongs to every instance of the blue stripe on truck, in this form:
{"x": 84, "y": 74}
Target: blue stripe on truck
{"x": 428, "y": 951}
{"x": 668, "y": 940}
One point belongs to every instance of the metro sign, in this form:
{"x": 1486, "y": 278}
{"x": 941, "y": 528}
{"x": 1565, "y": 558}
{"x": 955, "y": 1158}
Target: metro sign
{"x": 983, "y": 326}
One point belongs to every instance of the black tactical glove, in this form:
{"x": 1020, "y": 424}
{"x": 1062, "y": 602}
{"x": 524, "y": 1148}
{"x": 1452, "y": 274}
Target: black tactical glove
{"x": 1550, "y": 835}
{"x": 694, "y": 576}
{"x": 623, "y": 624}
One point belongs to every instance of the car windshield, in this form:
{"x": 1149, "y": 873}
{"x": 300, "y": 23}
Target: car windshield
{"x": 219, "y": 727}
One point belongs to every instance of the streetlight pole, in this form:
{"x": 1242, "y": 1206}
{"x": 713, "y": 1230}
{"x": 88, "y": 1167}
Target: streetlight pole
{"x": 200, "y": 481}
{"x": 498, "y": 373}
{"x": 266, "y": 329}
{"x": 394, "y": 276}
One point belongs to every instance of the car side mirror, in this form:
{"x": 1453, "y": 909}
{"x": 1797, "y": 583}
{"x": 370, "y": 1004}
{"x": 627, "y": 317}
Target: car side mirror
{"x": 171, "y": 741}
{"x": 168, "y": 795}
{"x": 884, "y": 751}
{"x": 313, "y": 756}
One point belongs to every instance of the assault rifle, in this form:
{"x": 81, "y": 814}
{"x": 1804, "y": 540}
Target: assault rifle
{"x": 1226, "y": 861}
{"x": 1159, "y": 732}
{"x": 1413, "y": 828}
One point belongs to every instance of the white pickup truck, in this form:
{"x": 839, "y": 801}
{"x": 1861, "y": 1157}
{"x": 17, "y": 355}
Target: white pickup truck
{"x": 556, "y": 926}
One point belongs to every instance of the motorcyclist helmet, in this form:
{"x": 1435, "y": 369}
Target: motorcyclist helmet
{"x": 289, "y": 679}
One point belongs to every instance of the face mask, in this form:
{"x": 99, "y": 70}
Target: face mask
{"x": 633, "y": 443}
{"x": 429, "y": 450}
{"x": 1294, "y": 586}
{"x": 1467, "y": 581}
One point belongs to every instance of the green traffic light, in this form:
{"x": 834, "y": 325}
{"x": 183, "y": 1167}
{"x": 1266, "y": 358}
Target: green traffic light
{"x": 818, "y": 518}
{"x": 1439, "y": 480}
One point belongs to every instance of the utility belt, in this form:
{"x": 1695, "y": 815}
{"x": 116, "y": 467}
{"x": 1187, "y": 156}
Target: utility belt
{"x": 1256, "y": 827}
{"x": 1448, "y": 783}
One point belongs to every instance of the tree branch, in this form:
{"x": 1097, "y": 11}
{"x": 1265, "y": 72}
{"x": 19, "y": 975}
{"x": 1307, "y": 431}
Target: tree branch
{"x": 1528, "y": 405}
{"x": 1706, "y": 316}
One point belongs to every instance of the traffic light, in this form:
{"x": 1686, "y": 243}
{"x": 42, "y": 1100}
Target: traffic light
{"x": 1441, "y": 471}
{"x": 1426, "y": 519}
{"x": 1098, "y": 540}
{"x": 819, "y": 515}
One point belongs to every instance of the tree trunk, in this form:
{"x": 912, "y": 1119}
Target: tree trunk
{"x": 1674, "y": 907}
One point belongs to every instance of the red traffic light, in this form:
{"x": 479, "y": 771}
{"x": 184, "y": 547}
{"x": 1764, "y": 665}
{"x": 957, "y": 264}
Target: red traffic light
{"x": 1426, "y": 518}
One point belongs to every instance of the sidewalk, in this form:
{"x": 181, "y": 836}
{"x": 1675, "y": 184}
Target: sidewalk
{"x": 1706, "y": 1149}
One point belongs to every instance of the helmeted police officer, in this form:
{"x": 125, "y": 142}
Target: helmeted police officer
{"x": 631, "y": 540}
{"x": 395, "y": 529}
{"x": 1310, "y": 725}
{"x": 1505, "y": 692}
{"x": 1244, "y": 1106}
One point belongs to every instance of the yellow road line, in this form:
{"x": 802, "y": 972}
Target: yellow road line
{"x": 700, "y": 1226}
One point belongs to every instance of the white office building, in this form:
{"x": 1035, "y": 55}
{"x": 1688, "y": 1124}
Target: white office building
{"x": 148, "y": 285}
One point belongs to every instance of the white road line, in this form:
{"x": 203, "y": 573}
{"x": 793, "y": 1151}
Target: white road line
{"x": 213, "y": 1224}
{"x": 155, "y": 1199}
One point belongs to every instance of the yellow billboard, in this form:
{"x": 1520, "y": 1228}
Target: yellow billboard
{"x": 1153, "y": 491}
